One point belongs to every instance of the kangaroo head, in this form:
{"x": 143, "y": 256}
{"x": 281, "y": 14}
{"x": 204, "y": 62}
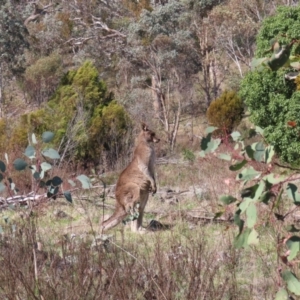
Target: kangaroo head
{"x": 148, "y": 134}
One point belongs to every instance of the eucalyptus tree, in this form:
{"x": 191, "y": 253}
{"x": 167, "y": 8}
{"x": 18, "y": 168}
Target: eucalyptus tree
{"x": 273, "y": 101}
{"x": 161, "y": 57}
{"x": 80, "y": 30}
{"x": 13, "y": 42}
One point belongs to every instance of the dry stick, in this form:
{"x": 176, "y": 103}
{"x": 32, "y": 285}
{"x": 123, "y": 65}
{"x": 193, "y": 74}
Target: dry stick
{"x": 214, "y": 190}
{"x": 112, "y": 279}
{"x": 141, "y": 266}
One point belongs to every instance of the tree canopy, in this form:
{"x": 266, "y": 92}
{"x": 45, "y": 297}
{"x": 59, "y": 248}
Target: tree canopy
{"x": 272, "y": 100}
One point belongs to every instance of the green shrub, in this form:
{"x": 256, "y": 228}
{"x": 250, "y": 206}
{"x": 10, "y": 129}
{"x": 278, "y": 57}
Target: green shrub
{"x": 84, "y": 116}
{"x": 226, "y": 112}
{"x": 283, "y": 26}
{"x": 42, "y": 77}
{"x": 273, "y": 101}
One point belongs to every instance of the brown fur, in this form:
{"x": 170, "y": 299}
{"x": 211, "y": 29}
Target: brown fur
{"x": 135, "y": 182}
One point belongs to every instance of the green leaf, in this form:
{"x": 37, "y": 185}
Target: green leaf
{"x": 51, "y": 153}
{"x": 20, "y": 164}
{"x": 250, "y": 152}
{"x": 210, "y": 129}
{"x": 227, "y": 199}
{"x": 238, "y": 221}
{"x": 42, "y": 184}
{"x": 202, "y": 153}
{"x": 238, "y": 165}
{"x": 205, "y": 141}
{"x": 253, "y": 238}
{"x": 30, "y": 152}
{"x": 235, "y": 136}
{"x": 56, "y": 181}
{"x": 260, "y": 190}
{"x": 68, "y": 196}
{"x": 33, "y": 139}
{"x": 282, "y": 295}
{"x": 278, "y": 199}
{"x": 42, "y": 174}
{"x": 224, "y": 156}
{"x": 2, "y": 166}
{"x": 12, "y": 186}
{"x": 292, "y": 228}
{"x": 258, "y": 63}
{"x": 266, "y": 197}
{"x": 244, "y": 204}
{"x": 85, "y": 181}
{"x": 249, "y": 192}
{"x": 2, "y": 187}
{"x": 274, "y": 179}
{"x": 293, "y": 193}
{"x": 52, "y": 190}
{"x": 293, "y": 283}
{"x": 46, "y": 166}
{"x": 72, "y": 182}
{"x": 259, "y": 151}
{"x": 36, "y": 175}
{"x": 32, "y": 168}
{"x": 218, "y": 214}
{"x": 251, "y": 215}
{"x": 259, "y": 130}
{"x": 269, "y": 153}
{"x": 213, "y": 145}
{"x": 293, "y": 243}
{"x": 241, "y": 241}
{"x": 248, "y": 174}
{"x": 47, "y": 136}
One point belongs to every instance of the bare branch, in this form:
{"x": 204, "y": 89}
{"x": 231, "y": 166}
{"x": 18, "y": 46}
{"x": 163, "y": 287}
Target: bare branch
{"x": 37, "y": 13}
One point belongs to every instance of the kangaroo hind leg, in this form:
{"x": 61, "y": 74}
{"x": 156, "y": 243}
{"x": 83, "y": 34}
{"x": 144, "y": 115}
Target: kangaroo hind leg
{"x": 119, "y": 214}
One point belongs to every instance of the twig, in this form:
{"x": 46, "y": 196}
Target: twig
{"x": 141, "y": 266}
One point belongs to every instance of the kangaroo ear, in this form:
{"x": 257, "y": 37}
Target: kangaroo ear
{"x": 144, "y": 126}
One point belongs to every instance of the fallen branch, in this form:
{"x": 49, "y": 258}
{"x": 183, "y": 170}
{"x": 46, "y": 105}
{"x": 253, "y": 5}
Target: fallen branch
{"x": 20, "y": 199}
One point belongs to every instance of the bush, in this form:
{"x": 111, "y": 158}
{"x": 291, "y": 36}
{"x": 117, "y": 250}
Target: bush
{"x": 283, "y": 26}
{"x": 273, "y": 104}
{"x": 273, "y": 101}
{"x": 42, "y": 78}
{"x": 85, "y": 118}
{"x": 226, "y": 112}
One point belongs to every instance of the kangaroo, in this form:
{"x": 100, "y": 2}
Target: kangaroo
{"x": 135, "y": 182}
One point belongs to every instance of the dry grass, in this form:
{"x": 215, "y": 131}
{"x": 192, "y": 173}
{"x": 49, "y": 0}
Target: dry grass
{"x": 49, "y": 255}
{"x": 55, "y": 251}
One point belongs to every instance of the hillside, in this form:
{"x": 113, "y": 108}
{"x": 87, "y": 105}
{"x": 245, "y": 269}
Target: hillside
{"x": 217, "y": 80}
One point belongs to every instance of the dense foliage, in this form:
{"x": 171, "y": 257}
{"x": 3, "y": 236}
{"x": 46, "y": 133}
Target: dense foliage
{"x": 267, "y": 201}
{"x": 271, "y": 99}
{"x": 283, "y": 26}
{"x": 226, "y": 112}
{"x": 84, "y": 116}
{"x": 13, "y": 41}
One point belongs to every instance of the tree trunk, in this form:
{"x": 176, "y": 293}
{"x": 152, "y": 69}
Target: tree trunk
{"x": 157, "y": 98}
